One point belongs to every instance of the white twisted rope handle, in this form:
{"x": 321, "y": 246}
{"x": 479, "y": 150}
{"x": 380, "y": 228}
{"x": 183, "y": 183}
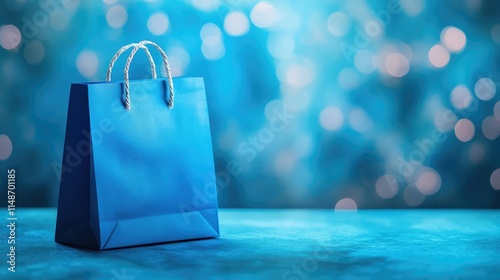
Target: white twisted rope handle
{"x": 141, "y": 44}
{"x": 123, "y": 49}
{"x": 137, "y": 46}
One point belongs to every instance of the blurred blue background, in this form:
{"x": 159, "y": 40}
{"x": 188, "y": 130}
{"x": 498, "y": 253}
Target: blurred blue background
{"x": 331, "y": 104}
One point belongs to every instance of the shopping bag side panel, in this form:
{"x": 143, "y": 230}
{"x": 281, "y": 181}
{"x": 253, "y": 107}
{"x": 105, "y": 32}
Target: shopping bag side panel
{"x": 74, "y": 217}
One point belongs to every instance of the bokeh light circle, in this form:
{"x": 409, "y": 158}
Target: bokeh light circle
{"x": 412, "y": 7}
{"x": 299, "y": 75}
{"x": 360, "y": 121}
{"x": 87, "y": 63}
{"x": 461, "y": 97}
{"x": 496, "y": 110}
{"x": 386, "y": 186}
{"x": 5, "y": 147}
{"x": 439, "y": 56}
{"x": 273, "y": 107}
{"x": 281, "y": 46}
{"x": 211, "y": 33}
{"x": 303, "y": 145}
{"x": 338, "y": 24}
{"x": 485, "y": 89}
{"x": 453, "y": 39}
{"x": 236, "y": 24}
{"x": 263, "y": 14}
{"x": 212, "y": 47}
{"x": 346, "y": 204}
{"x": 71, "y": 5}
{"x": 477, "y": 152}
{"x": 285, "y": 161}
{"x": 34, "y": 52}
{"x": 206, "y": 5}
{"x": 61, "y": 22}
{"x": 10, "y": 37}
{"x": 464, "y": 130}
{"x": 413, "y": 197}
{"x": 331, "y": 118}
{"x": 491, "y": 128}
{"x": 158, "y": 23}
{"x": 348, "y": 78}
{"x": 364, "y": 61}
{"x": 213, "y": 51}
{"x": 429, "y": 182}
{"x": 445, "y": 120}
{"x": 495, "y": 179}
{"x": 495, "y": 33}
{"x": 374, "y": 29}
{"x": 116, "y": 16}
{"x": 397, "y": 65}
{"x": 179, "y": 60}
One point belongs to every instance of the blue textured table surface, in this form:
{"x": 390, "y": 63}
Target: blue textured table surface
{"x": 281, "y": 244}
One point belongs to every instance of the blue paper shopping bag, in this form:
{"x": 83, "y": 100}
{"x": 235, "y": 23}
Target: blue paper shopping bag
{"x": 136, "y": 169}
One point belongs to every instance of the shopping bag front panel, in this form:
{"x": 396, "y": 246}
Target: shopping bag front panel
{"x": 152, "y": 161}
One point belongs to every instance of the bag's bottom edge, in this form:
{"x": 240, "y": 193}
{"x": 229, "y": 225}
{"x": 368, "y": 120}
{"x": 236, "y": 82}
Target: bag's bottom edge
{"x": 91, "y": 248}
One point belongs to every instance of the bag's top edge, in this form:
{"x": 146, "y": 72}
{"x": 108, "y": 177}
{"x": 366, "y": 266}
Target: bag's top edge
{"x": 134, "y": 81}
